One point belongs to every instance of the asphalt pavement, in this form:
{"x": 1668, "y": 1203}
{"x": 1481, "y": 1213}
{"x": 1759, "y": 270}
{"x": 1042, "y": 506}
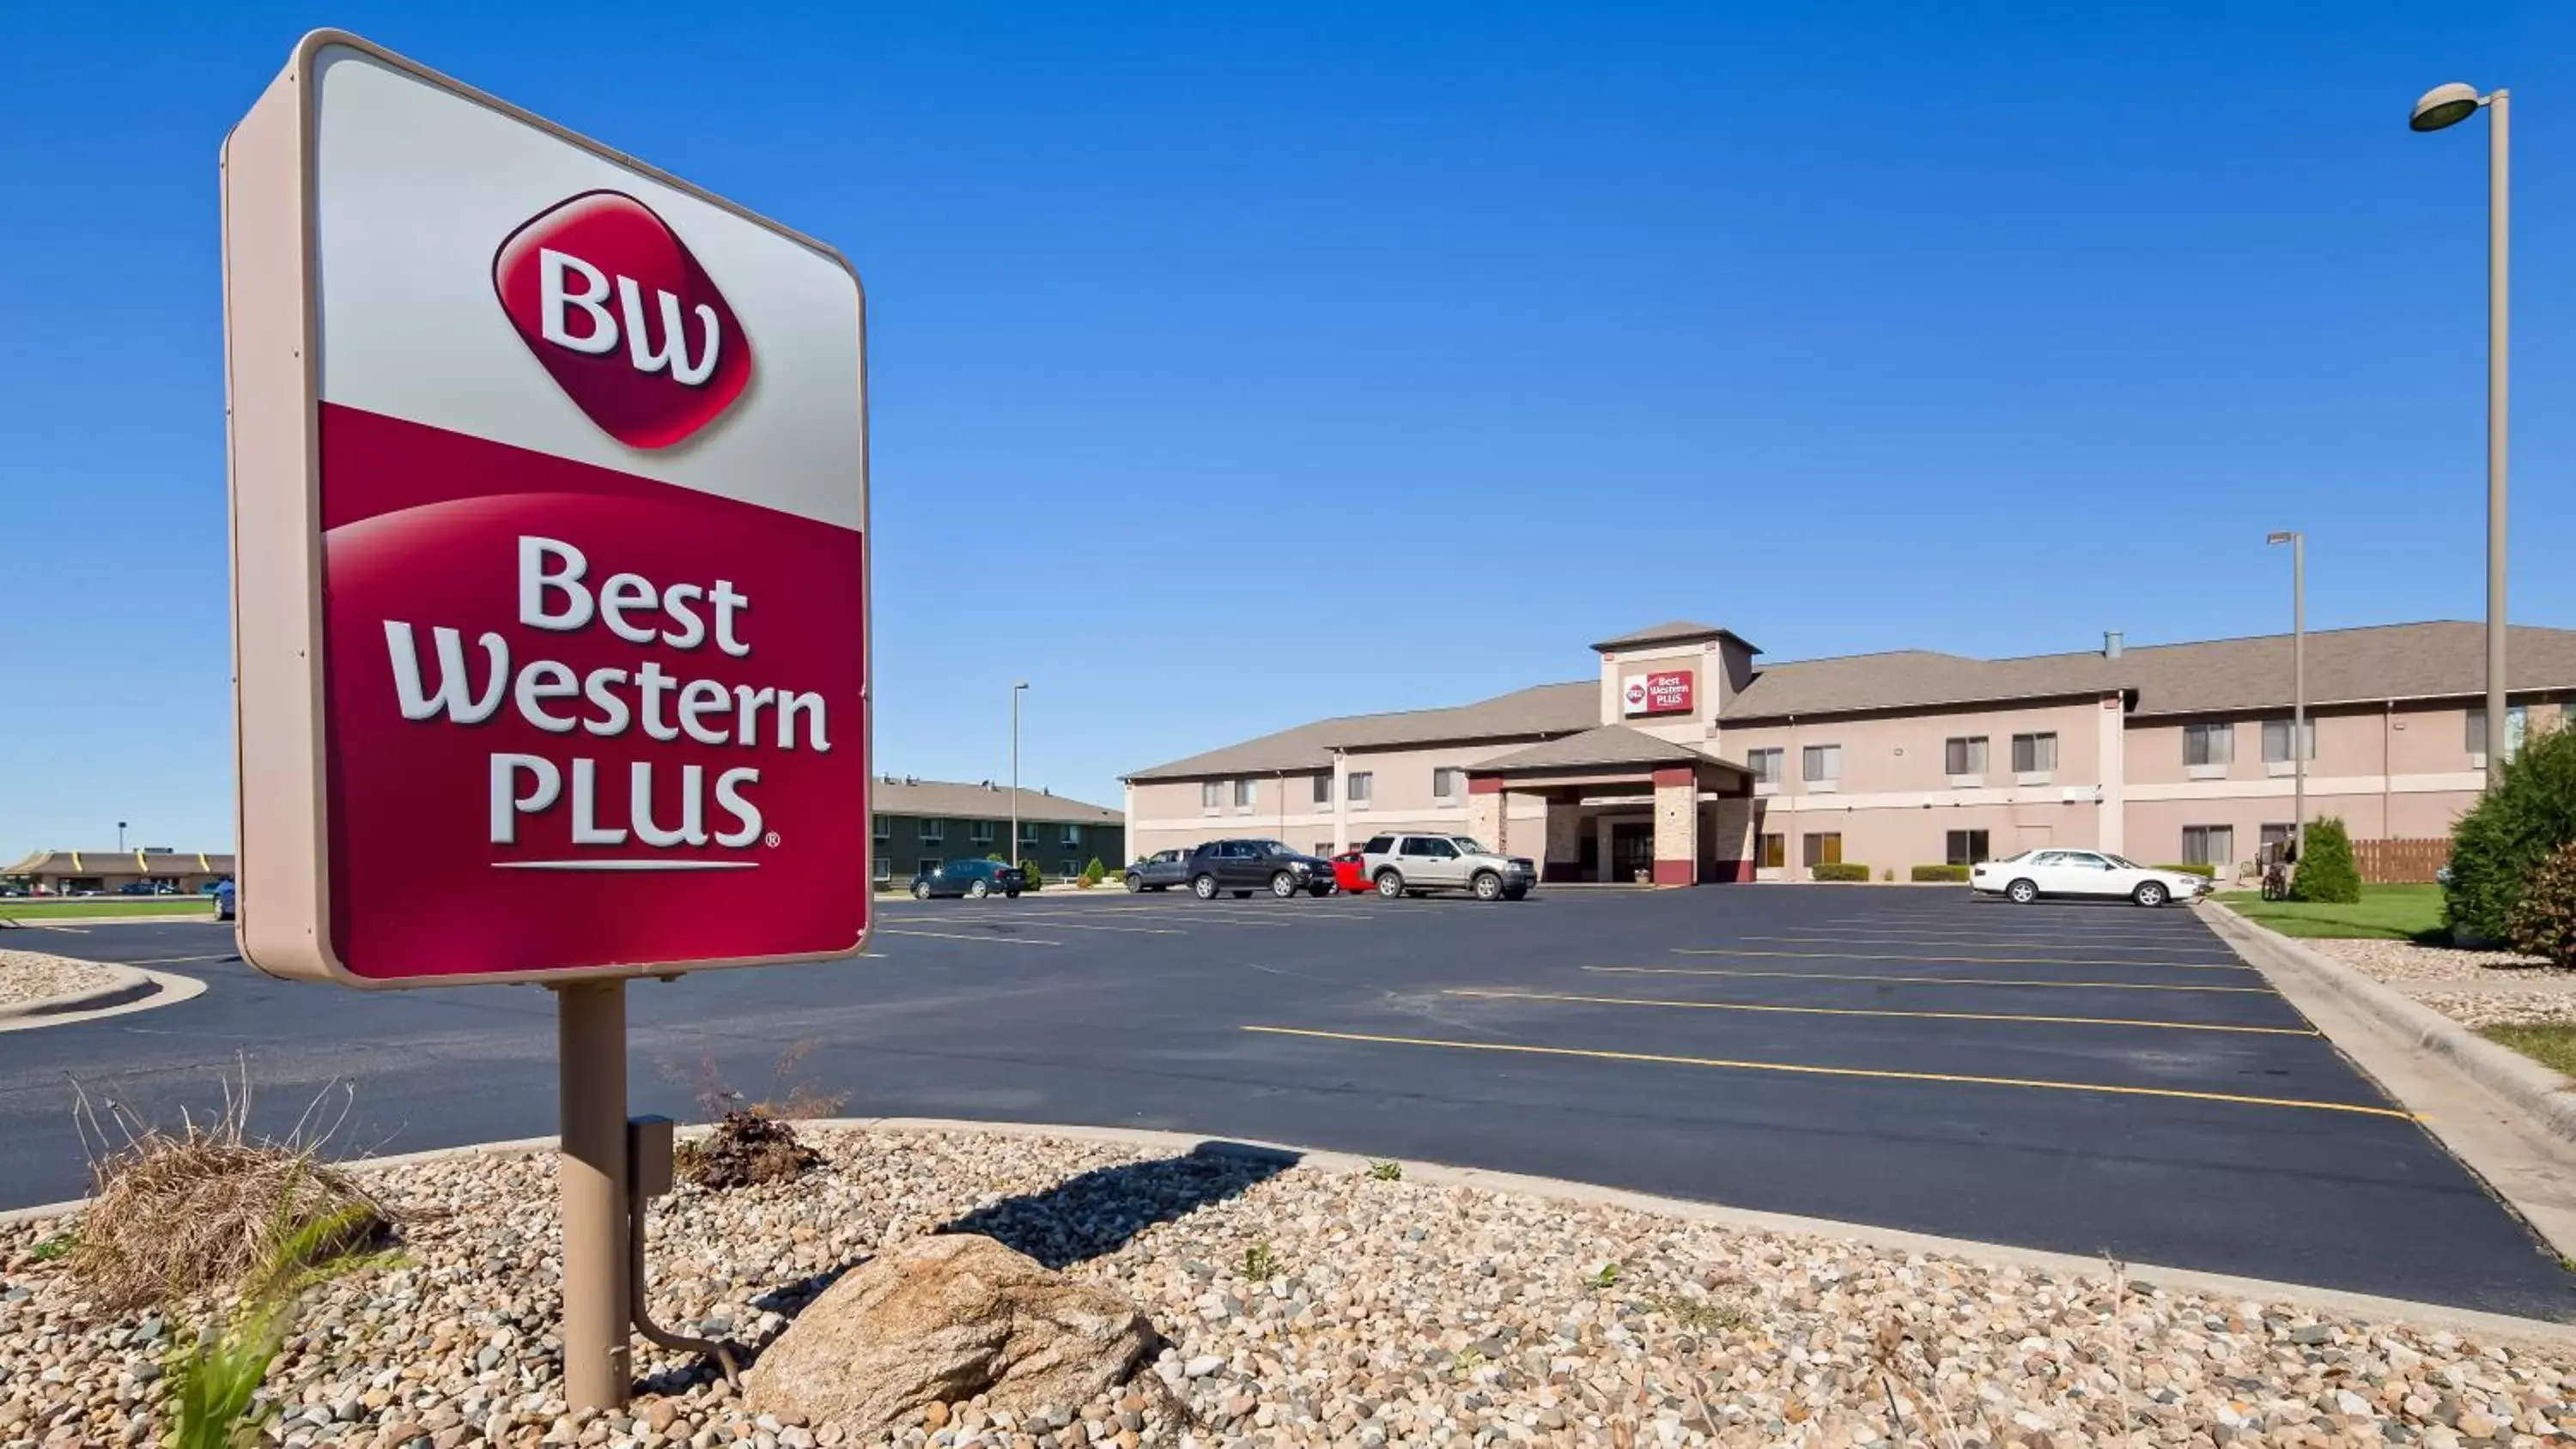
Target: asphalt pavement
{"x": 2080, "y": 1078}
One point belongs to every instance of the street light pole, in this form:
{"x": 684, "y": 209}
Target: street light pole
{"x": 2448, "y": 105}
{"x": 2298, "y": 543}
{"x": 120, "y": 837}
{"x": 1017, "y": 689}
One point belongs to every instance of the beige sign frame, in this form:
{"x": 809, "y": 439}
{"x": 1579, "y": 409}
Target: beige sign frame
{"x": 272, "y": 321}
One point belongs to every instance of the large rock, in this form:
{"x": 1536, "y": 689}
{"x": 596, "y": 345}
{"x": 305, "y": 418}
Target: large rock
{"x": 944, "y": 1318}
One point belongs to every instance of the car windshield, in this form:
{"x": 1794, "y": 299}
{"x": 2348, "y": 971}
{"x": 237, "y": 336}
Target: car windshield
{"x": 2123, "y": 862}
{"x": 1468, "y": 844}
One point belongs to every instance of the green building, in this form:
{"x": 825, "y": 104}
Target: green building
{"x": 921, "y": 820}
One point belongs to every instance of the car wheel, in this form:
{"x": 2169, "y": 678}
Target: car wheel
{"x": 1319, "y": 890}
{"x": 921, "y": 890}
{"x": 1204, "y": 887}
{"x": 1488, "y": 886}
{"x": 2022, "y": 892}
{"x": 1283, "y": 885}
{"x": 1134, "y": 884}
{"x": 1518, "y": 894}
{"x": 1010, "y": 893}
{"x": 980, "y": 889}
{"x": 2149, "y": 893}
{"x": 1389, "y": 885}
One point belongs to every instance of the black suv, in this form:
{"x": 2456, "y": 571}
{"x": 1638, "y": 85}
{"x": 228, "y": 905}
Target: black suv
{"x": 1244, "y": 866}
{"x": 974, "y": 879}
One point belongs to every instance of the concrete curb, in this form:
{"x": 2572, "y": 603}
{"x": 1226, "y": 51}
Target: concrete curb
{"x": 2547, "y": 1097}
{"x": 128, "y": 985}
{"x": 2493, "y": 1327}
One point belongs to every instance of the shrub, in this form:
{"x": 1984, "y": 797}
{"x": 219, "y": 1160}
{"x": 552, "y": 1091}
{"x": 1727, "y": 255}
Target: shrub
{"x": 1094, "y": 873}
{"x": 2542, "y": 921}
{"x": 2327, "y": 872}
{"x": 2497, "y": 845}
{"x": 1844, "y": 871}
{"x": 2205, "y": 872}
{"x": 1940, "y": 872}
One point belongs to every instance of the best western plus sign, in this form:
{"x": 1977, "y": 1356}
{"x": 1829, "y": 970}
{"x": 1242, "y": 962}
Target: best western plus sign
{"x": 551, "y": 498}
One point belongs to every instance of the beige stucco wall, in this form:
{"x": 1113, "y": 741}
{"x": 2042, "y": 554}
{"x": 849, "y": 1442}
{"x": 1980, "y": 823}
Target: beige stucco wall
{"x": 1899, "y": 839}
{"x": 1884, "y": 753}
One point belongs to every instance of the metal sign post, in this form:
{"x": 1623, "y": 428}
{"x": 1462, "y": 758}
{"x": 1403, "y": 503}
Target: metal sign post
{"x": 550, "y": 627}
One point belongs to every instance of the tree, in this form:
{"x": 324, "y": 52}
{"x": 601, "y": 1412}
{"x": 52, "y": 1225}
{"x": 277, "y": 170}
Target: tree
{"x": 2327, "y": 871}
{"x": 1094, "y": 873}
{"x": 2513, "y": 827}
{"x": 2542, "y": 922}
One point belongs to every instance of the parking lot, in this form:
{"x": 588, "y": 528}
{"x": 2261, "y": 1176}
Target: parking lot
{"x": 2082, "y": 1078}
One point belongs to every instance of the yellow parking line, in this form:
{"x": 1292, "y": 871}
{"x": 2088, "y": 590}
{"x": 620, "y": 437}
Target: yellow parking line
{"x": 1989, "y": 944}
{"x": 1869, "y": 1073}
{"x": 1866, "y": 1011}
{"x": 963, "y": 936}
{"x": 1985, "y": 960}
{"x": 1924, "y": 980}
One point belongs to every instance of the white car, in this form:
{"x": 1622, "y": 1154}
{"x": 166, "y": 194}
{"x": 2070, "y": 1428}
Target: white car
{"x": 2032, "y": 874}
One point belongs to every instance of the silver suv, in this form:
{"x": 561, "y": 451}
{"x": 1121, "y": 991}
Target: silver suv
{"x": 1408, "y": 863}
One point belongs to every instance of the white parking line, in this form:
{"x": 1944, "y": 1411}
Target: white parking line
{"x": 962, "y": 936}
{"x": 1991, "y": 943}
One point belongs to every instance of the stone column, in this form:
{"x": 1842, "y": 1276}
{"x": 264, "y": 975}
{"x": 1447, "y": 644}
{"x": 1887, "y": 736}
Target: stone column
{"x": 1485, "y": 808}
{"x": 1731, "y": 822}
{"x": 1341, "y": 803}
{"x": 1564, "y": 840}
{"x": 1677, "y": 826}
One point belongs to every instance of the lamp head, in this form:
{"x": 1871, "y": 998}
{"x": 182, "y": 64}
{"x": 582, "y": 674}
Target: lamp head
{"x": 2445, "y": 105}
{"x": 1019, "y": 684}
{"x": 2279, "y": 537}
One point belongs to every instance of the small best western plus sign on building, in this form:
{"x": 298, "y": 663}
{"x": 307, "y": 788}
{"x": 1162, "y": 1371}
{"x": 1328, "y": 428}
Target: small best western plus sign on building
{"x": 569, "y": 503}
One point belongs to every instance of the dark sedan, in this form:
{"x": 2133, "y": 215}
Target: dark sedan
{"x": 974, "y": 879}
{"x": 1245, "y": 866}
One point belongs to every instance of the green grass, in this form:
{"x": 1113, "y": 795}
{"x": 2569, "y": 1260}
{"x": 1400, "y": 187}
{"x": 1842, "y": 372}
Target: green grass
{"x": 20, "y": 909}
{"x": 2384, "y": 913}
{"x": 2553, "y": 1045}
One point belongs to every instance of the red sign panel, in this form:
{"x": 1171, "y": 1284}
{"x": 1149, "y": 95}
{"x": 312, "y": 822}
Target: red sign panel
{"x": 550, "y": 627}
{"x": 1668, "y": 692}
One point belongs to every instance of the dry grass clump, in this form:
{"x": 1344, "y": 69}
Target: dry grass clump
{"x": 209, "y": 1205}
{"x": 749, "y": 1147}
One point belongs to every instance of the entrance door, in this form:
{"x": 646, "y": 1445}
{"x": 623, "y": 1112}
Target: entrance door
{"x": 1632, "y": 849}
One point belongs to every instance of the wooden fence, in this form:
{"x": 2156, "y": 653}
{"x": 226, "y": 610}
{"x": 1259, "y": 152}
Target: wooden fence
{"x": 2398, "y": 862}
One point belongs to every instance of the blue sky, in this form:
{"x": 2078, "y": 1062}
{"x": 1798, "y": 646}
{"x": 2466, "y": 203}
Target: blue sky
{"x": 1237, "y": 365}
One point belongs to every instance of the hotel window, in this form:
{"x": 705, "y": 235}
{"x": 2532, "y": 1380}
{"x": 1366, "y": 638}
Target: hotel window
{"x": 2034, "y": 754}
{"x": 2515, "y": 718}
{"x": 1775, "y": 849}
{"x": 1245, "y": 791}
{"x": 1823, "y": 849}
{"x": 1448, "y": 784}
{"x": 1072, "y": 835}
{"x": 1323, "y": 789}
{"x": 980, "y": 832}
{"x": 1323, "y": 847}
{"x": 1028, "y": 835}
{"x": 1964, "y": 755}
{"x": 934, "y": 832}
{"x": 2276, "y": 741}
{"x": 1211, "y": 795}
{"x": 1967, "y": 847}
{"x": 884, "y": 830}
{"x": 2210, "y": 844}
{"x": 1068, "y": 869}
{"x": 885, "y": 870}
{"x": 1361, "y": 787}
{"x": 1765, "y": 765}
{"x": 1822, "y": 762}
{"x": 2209, "y": 744}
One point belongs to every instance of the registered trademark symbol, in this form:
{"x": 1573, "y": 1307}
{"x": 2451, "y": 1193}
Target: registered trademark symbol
{"x": 770, "y": 840}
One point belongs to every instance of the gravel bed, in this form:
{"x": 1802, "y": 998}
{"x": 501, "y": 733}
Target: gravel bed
{"x": 1392, "y": 1312}
{"x": 2501, "y": 1008}
{"x": 32, "y": 976}
{"x": 2403, "y": 963}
